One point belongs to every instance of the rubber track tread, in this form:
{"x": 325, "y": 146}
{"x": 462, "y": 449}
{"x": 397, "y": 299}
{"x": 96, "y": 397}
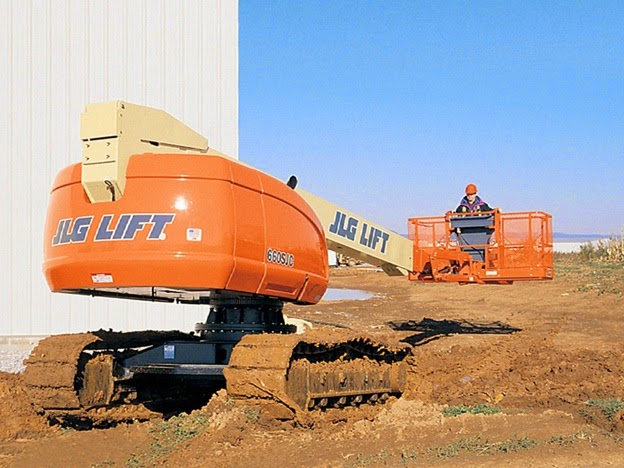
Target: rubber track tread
{"x": 276, "y": 368}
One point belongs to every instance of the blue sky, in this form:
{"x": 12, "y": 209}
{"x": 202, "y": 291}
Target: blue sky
{"x": 389, "y": 108}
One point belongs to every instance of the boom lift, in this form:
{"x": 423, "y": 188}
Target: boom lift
{"x": 153, "y": 213}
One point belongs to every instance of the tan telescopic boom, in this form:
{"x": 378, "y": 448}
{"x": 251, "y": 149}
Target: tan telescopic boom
{"x": 357, "y": 237}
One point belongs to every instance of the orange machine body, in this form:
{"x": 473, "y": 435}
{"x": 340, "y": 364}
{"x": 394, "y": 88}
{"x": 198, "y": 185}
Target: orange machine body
{"x": 187, "y": 227}
{"x": 486, "y": 247}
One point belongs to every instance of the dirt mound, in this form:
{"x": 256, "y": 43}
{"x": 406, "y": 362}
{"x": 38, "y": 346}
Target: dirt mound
{"x": 518, "y": 372}
{"x": 205, "y": 434}
{"x": 18, "y": 416}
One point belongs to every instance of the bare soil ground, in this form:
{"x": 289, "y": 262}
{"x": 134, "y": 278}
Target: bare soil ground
{"x": 522, "y": 375}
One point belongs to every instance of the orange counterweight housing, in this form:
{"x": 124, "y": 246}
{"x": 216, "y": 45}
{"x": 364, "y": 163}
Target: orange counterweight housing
{"x": 187, "y": 227}
{"x": 488, "y": 247}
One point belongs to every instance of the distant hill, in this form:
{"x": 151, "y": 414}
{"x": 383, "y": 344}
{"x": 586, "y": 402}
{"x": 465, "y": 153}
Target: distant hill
{"x": 565, "y": 237}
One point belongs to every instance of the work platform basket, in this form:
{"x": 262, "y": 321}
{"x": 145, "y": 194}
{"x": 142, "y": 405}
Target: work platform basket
{"x": 487, "y": 247}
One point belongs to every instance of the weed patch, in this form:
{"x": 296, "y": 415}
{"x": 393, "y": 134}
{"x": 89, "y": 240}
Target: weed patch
{"x": 608, "y": 406}
{"x": 454, "y": 449}
{"x": 473, "y": 445}
{"x": 477, "y": 409}
{"x": 375, "y": 459}
{"x": 564, "y": 441}
{"x": 167, "y": 435}
{"x": 251, "y": 414}
{"x": 470, "y": 445}
{"x": 594, "y": 276}
{"x": 610, "y": 250}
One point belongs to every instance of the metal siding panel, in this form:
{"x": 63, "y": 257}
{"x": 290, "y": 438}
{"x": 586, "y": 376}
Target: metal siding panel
{"x": 20, "y": 203}
{"x": 58, "y": 321}
{"x": 114, "y": 317}
{"x": 136, "y": 51}
{"x": 191, "y": 69}
{"x": 169, "y": 61}
{"x": 194, "y": 314}
{"x": 55, "y": 316}
{"x": 6, "y": 126}
{"x": 115, "y": 55}
{"x": 76, "y": 45}
{"x": 39, "y": 157}
{"x": 218, "y": 82}
{"x": 154, "y": 44}
{"x": 101, "y": 315}
{"x": 211, "y": 102}
{"x": 229, "y": 77}
{"x": 61, "y": 316}
{"x": 97, "y": 43}
{"x": 60, "y": 56}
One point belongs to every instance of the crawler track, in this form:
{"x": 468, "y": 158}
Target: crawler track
{"x": 77, "y": 378}
{"x": 73, "y": 377}
{"x": 296, "y": 373}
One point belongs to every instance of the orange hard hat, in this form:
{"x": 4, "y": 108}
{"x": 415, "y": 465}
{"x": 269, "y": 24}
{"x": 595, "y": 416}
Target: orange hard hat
{"x": 471, "y": 189}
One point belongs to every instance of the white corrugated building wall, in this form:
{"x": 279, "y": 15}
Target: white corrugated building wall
{"x": 58, "y": 55}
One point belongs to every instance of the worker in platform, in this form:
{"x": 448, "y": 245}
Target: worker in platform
{"x": 472, "y": 203}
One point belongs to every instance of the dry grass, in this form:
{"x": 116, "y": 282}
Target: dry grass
{"x": 610, "y": 250}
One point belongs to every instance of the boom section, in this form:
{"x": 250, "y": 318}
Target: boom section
{"x": 357, "y": 237}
